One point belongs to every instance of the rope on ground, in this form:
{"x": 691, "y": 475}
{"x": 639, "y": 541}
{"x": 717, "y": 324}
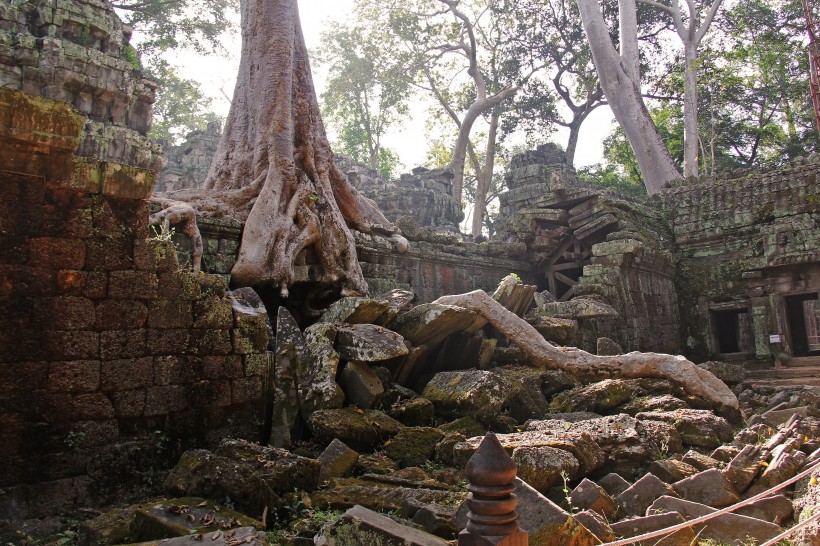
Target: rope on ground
{"x": 722, "y": 511}
{"x": 789, "y": 532}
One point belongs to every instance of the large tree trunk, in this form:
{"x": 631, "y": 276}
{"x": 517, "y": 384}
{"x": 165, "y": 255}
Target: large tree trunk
{"x": 624, "y": 96}
{"x": 484, "y": 178}
{"x": 274, "y": 168}
{"x": 690, "y": 112}
{"x": 588, "y": 367}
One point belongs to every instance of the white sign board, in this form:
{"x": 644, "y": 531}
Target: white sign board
{"x": 775, "y": 338}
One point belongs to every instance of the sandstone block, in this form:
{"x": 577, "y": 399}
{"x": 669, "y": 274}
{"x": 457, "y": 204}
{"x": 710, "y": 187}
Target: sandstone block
{"x": 74, "y": 377}
{"x": 337, "y": 460}
{"x": 361, "y": 385}
{"x": 362, "y": 430}
{"x": 671, "y": 470}
{"x": 118, "y": 344}
{"x": 708, "y": 487}
{"x": 362, "y": 526}
{"x": 544, "y": 467}
{"x": 56, "y": 253}
{"x": 639, "y": 526}
{"x": 413, "y": 446}
{"x": 369, "y": 343}
{"x": 614, "y": 484}
{"x": 164, "y": 314}
{"x": 637, "y": 498}
{"x": 120, "y": 314}
{"x": 132, "y": 285}
{"x": 725, "y": 529}
{"x": 588, "y": 495}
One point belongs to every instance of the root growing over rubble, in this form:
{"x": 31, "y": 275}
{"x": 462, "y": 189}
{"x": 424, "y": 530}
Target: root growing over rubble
{"x": 588, "y": 367}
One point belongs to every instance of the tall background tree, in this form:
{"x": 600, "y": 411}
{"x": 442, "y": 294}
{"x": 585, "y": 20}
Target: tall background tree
{"x": 367, "y": 91}
{"x": 753, "y": 96}
{"x": 462, "y": 66}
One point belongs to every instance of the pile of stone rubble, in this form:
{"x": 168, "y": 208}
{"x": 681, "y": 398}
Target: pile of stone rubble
{"x": 378, "y": 406}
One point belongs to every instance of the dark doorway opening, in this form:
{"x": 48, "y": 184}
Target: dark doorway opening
{"x": 801, "y": 312}
{"x": 733, "y": 331}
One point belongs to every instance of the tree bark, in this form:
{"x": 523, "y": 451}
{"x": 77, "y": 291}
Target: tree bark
{"x": 624, "y": 97}
{"x": 274, "y": 168}
{"x": 588, "y": 367}
{"x": 485, "y": 177}
{"x": 690, "y": 112}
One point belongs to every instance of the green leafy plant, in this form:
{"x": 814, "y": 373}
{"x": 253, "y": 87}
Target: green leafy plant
{"x": 162, "y": 233}
{"x": 74, "y": 440}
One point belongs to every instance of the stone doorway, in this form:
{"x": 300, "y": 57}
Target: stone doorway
{"x": 802, "y": 315}
{"x": 733, "y": 332}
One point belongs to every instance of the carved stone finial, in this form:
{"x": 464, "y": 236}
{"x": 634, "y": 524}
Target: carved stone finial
{"x": 492, "y": 501}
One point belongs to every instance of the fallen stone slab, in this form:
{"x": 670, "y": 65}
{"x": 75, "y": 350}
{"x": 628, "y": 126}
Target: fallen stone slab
{"x": 708, "y": 487}
{"x": 252, "y": 476}
{"x": 783, "y": 466}
{"x": 362, "y": 526}
{"x": 731, "y": 374}
{"x": 369, "y": 343}
{"x": 337, "y": 460}
{"x": 413, "y": 446}
{"x": 596, "y": 524}
{"x": 353, "y": 310}
{"x": 433, "y": 518}
{"x": 635, "y": 500}
{"x": 600, "y": 397}
{"x": 626, "y": 442}
{"x": 744, "y": 467}
{"x": 638, "y": 526}
{"x": 725, "y": 454}
{"x": 700, "y": 428}
{"x": 361, "y": 430}
{"x": 413, "y": 412}
{"x": 185, "y": 516}
{"x": 699, "y": 460}
{"x": 580, "y": 444}
{"x": 246, "y": 536}
{"x": 725, "y": 529}
{"x": 431, "y": 323}
{"x": 384, "y": 494}
{"x": 544, "y": 467}
{"x": 614, "y": 484}
{"x": 467, "y": 393}
{"x": 671, "y": 470}
{"x": 316, "y": 368}
{"x": 577, "y": 308}
{"x": 775, "y": 509}
{"x": 588, "y": 495}
{"x": 361, "y": 385}
{"x": 398, "y": 301}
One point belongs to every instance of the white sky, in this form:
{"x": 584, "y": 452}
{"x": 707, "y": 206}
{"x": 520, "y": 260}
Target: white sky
{"x": 410, "y": 141}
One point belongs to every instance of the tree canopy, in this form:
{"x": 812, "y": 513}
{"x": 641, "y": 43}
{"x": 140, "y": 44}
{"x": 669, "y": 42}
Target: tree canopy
{"x": 163, "y": 28}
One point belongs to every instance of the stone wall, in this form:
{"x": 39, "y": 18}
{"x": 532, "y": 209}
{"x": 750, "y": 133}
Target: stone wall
{"x": 593, "y": 244}
{"x": 111, "y": 358}
{"x": 436, "y": 264}
{"x": 187, "y": 164}
{"x": 77, "y": 52}
{"x": 747, "y": 242}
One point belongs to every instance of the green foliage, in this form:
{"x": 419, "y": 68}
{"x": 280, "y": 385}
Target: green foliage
{"x": 181, "y": 106}
{"x": 368, "y": 91}
{"x": 132, "y": 57}
{"x": 74, "y": 440}
{"x": 163, "y": 27}
{"x": 168, "y": 25}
